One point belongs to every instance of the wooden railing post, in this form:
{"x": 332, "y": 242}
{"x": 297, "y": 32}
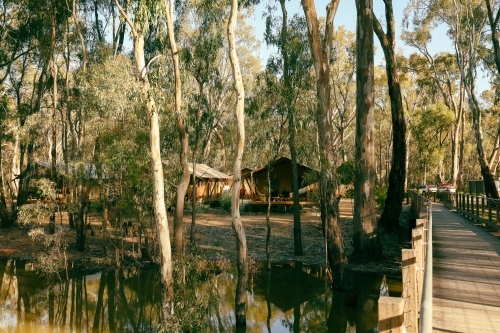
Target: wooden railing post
{"x": 490, "y": 215}
{"x": 471, "y": 203}
{"x": 477, "y": 205}
{"x": 390, "y": 314}
{"x": 417, "y": 246}
{"x": 409, "y": 273}
{"x": 497, "y": 204}
{"x": 482, "y": 206}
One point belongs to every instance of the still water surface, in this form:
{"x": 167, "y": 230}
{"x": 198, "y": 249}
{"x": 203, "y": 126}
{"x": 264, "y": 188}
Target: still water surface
{"x": 286, "y": 299}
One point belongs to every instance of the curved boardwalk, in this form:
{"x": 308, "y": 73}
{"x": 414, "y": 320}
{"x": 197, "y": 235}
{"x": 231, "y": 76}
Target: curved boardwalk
{"x": 466, "y": 274}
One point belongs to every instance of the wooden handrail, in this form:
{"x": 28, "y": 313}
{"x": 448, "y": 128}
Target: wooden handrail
{"x": 412, "y": 312}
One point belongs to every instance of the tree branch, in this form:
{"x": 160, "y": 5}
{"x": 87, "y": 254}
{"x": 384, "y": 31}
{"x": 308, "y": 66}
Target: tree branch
{"x": 127, "y": 19}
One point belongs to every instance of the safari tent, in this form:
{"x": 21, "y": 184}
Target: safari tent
{"x": 209, "y": 183}
{"x": 281, "y": 180}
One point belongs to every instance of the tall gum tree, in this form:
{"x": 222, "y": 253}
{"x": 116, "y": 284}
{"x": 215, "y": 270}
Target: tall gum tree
{"x": 183, "y": 136}
{"x": 466, "y": 24}
{"x": 365, "y": 239}
{"x": 397, "y": 175}
{"x": 239, "y": 144}
{"x": 160, "y": 212}
{"x": 329, "y": 204}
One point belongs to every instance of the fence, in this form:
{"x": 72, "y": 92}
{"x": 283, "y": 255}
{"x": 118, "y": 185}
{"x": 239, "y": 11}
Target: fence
{"x": 478, "y": 208}
{"x": 412, "y": 312}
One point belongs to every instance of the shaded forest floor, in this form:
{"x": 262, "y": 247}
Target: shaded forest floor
{"x": 214, "y": 239}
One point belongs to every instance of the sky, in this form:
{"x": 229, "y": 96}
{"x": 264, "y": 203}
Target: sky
{"x": 346, "y": 16}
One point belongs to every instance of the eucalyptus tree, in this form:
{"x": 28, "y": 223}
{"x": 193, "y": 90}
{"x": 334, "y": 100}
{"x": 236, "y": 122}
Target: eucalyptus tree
{"x": 466, "y": 23}
{"x": 365, "y": 239}
{"x": 441, "y": 74}
{"x": 395, "y": 192}
{"x": 292, "y": 65}
{"x": 239, "y": 145}
{"x": 321, "y": 54}
{"x": 343, "y": 85}
{"x": 203, "y": 46}
{"x": 265, "y": 115}
{"x": 139, "y": 25}
{"x": 183, "y": 134}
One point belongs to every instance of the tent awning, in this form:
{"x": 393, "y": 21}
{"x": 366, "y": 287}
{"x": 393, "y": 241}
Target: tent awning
{"x": 204, "y": 171}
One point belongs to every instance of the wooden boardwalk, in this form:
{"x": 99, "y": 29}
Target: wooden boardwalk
{"x": 466, "y": 265}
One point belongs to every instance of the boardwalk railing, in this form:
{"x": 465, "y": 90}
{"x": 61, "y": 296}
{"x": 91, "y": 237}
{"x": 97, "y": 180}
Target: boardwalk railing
{"x": 478, "y": 208}
{"x": 412, "y": 312}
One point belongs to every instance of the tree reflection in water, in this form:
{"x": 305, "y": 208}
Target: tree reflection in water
{"x": 288, "y": 298}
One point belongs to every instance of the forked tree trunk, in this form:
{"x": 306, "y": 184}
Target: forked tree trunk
{"x": 329, "y": 204}
{"x": 397, "y": 175}
{"x": 159, "y": 209}
{"x": 365, "y": 239}
{"x": 183, "y": 138}
{"x": 241, "y": 240}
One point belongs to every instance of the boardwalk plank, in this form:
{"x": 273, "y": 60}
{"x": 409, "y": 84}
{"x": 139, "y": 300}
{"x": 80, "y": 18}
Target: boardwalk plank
{"x": 466, "y": 265}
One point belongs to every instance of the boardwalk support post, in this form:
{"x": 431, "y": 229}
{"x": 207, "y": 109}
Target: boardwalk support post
{"x": 417, "y": 245}
{"x": 409, "y": 273}
{"x": 390, "y": 314}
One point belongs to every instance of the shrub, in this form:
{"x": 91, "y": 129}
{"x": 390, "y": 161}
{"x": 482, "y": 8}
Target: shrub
{"x": 225, "y": 202}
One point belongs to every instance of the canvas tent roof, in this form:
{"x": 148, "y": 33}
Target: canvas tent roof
{"x": 204, "y": 171}
{"x": 280, "y": 160}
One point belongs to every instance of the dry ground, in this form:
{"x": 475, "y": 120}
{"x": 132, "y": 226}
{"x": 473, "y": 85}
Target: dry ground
{"x": 214, "y": 238}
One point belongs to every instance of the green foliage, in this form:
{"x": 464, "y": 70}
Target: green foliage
{"x": 225, "y": 202}
{"x": 380, "y": 195}
{"x": 347, "y": 172}
{"x": 199, "y": 208}
{"x": 35, "y": 213}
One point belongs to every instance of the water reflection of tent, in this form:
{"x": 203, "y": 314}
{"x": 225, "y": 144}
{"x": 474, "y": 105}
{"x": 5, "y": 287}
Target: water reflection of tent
{"x": 285, "y": 287}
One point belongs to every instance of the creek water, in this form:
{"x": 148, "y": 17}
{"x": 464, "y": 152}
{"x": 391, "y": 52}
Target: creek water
{"x": 289, "y": 298}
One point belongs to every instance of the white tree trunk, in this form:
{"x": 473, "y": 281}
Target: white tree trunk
{"x": 160, "y": 211}
{"x": 241, "y": 241}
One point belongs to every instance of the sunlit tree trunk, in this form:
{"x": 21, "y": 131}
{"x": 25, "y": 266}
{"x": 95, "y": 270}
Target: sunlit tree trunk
{"x": 466, "y": 63}
{"x": 365, "y": 239}
{"x": 160, "y": 212}
{"x": 329, "y": 204}
{"x": 183, "y": 138}
{"x": 397, "y": 175}
{"x": 241, "y": 241}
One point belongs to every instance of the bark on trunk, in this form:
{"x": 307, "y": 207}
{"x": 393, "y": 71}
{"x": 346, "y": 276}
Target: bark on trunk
{"x": 160, "y": 211}
{"x": 241, "y": 241}
{"x": 183, "y": 138}
{"x": 329, "y": 204}
{"x": 397, "y": 175}
{"x": 365, "y": 239}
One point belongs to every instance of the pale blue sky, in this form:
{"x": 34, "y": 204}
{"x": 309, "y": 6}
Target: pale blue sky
{"x": 346, "y": 16}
